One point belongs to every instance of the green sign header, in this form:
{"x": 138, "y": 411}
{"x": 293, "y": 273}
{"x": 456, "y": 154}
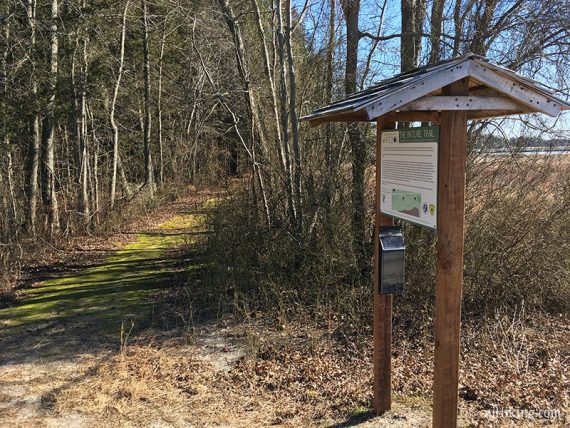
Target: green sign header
{"x": 423, "y": 134}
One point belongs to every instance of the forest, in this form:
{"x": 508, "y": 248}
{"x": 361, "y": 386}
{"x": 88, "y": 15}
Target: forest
{"x": 112, "y": 112}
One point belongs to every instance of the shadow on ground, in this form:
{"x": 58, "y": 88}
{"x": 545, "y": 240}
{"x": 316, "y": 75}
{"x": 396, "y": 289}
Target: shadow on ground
{"x": 84, "y": 310}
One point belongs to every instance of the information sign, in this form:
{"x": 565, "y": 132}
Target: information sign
{"x": 408, "y": 184}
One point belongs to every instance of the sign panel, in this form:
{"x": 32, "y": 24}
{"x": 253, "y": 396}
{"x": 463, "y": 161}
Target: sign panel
{"x": 408, "y": 185}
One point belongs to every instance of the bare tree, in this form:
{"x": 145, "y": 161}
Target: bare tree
{"x": 267, "y": 68}
{"x": 82, "y": 131}
{"x": 243, "y": 70}
{"x": 5, "y": 141}
{"x": 328, "y": 100}
{"x": 294, "y": 116}
{"x": 112, "y": 107}
{"x": 351, "y": 11}
{"x": 48, "y": 137}
{"x": 159, "y": 102}
{"x": 280, "y": 47}
{"x": 149, "y": 169}
{"x": 34, "y": 123}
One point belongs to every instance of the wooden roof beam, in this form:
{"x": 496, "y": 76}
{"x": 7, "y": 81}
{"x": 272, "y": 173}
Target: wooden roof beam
{"x": 411, "y": 116}
{"x": 462, "y": 103}
{"x": 419, "y": 88}
{"x": 516, "y": 90}
{"x": 489, "y": 114}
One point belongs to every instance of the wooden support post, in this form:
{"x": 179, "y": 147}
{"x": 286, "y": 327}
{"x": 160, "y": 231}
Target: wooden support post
{"x": 382, "y": 302}
{"x": 449, "y": 269}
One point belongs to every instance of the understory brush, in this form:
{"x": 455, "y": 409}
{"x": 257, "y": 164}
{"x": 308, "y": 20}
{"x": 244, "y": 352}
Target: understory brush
{"x": 517, "y": 253}
{"x": 273, "y": 269}
{"x": 26, "y": 250}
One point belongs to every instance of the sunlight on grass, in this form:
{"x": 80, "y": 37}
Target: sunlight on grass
{"x": 212, "y": 202}
{"x": 184, "y": 222}
{"x": 103, "y": 294}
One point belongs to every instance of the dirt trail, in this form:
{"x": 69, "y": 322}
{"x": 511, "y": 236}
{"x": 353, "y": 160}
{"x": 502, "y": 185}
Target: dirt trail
{"x": 61, "y": 329}
{"x": 65, "y": 359}
{"x": 94, "y": 300}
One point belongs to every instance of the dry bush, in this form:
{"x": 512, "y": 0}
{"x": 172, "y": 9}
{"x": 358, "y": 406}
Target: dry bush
{"x": 257, "y": 267}
{"x": 518, "y": 233}
{"x": 516, "y": 251}
{"x": 517, "y": 240}
{"x": 10, "y": 269}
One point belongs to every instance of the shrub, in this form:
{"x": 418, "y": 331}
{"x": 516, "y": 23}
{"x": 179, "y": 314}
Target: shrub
{"x": 516, "y": 252}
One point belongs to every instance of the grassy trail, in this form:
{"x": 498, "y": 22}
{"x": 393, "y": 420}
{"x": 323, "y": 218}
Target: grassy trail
{"x": 106, "y": 293}
{"x": 97, "y": 299}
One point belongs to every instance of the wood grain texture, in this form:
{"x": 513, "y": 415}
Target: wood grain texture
{"x": 423, "y": 85}
{"x": 449, "y": 268}
{"x": 412, "y": 116}
{"x": 471, "y": 102}
{"x": 515, "y": 89}
{"x": 382, "y": 302}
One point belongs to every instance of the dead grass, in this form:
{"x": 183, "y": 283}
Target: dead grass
{"x": 301, "y": 376}
{"x": 172, "y": 385}
{"x": 294, "y": 373}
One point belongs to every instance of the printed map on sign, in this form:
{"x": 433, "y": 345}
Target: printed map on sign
{"x": 408, "y": 184}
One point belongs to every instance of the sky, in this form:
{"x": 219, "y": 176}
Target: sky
{"x": 386, "y": 62}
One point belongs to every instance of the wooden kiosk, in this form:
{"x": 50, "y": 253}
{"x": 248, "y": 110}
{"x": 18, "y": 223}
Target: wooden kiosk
{"x": 448, "y": 93}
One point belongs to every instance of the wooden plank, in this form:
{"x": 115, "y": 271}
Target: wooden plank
{"x": 408, "y": 116}
{"x": 528, "y": 82}
{"x": 449, "y": 265}
{"x": 466, "y": 103}
{"x": 418, "y": 88}
{"x": 482, "y": 115}
{"x": 515, "y": 89}
{"x": 382, "y": 357}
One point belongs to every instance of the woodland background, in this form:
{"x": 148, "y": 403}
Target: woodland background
{"x": 107, "y": 105}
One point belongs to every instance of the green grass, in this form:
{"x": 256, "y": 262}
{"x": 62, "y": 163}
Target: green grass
{"x": 99, "y": 297}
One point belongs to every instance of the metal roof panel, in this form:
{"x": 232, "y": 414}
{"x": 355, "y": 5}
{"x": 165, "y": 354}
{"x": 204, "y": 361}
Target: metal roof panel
{"x": 372, "y": 99}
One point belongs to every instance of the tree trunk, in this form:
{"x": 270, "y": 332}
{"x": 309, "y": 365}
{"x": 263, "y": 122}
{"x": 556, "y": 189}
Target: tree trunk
{"x": 407, "y": 54}
{"x": 95, "y": 170}
{"x": 420, "y": 12}
{"x": 328, "y": 100}
{"x": 5, "y": 143}
{"x": 436, "y": 22}
{"x": 123, "y": 176}
{"x": 294, "y": 118}
{"x": 280, "y": 47}
{"x": 10, "y": 182}
{"x": 458, "y": 27}
{"x": 34, "y": 121}
{"x": 413, "y": 15}
{"x": 268, "y": 69}
{"x": 114, "y": 103}
{"x": 482, "y": 24}
{"x": 48, "y": 140}
{"x": 351, "y": 11}
{"x": 159, "y": 103}
{"x": 84, "y": 162}
{"x": 149, "y": 170}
